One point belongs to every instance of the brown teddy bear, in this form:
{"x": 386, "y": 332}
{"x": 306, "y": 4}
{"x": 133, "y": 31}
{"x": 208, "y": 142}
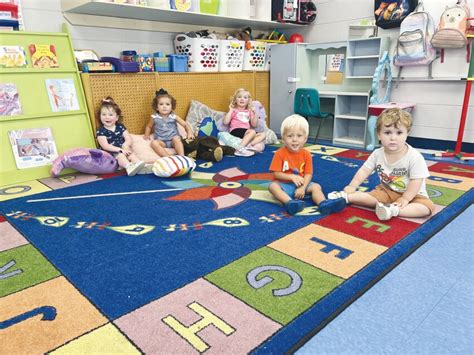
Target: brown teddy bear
{"x": 206, "y": 148}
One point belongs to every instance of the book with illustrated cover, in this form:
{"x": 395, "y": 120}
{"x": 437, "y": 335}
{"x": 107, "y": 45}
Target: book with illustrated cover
{"x": 9, "y": 100}
{"x": 336, "y": 62}
{"x": 43, "y": 56}
{"x": 33, "y": 147}
{"x": 62, "y": 94}
{"x": 12, "y": 57}
{"x": 335, "y": 69}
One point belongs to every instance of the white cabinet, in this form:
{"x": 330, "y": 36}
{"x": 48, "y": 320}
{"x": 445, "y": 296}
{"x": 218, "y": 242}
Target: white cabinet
{"x": 363, "y": 56}
{"x": 350, "y": 118}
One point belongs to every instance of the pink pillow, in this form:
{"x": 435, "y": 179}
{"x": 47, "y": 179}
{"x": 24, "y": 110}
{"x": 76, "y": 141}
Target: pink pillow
{"x": 143, "y": 150}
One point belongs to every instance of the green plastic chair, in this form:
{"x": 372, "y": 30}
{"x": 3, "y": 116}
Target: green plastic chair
{"x": 307, "y": 105}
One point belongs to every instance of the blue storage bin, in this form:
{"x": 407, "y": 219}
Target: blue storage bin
{"x": 162, "y": 64}
{"x": 178, "y": 62}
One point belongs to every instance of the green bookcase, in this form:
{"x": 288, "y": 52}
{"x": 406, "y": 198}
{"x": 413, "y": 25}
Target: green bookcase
{"x": 70, "y": 129}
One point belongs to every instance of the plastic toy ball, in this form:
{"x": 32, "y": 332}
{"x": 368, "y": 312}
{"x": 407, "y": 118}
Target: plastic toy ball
{"x": 296, "y": 38}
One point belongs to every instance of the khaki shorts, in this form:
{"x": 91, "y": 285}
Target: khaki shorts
{"x": 386, "y": 196}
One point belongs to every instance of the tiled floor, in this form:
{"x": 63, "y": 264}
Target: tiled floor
{"x": 424, "y": 306}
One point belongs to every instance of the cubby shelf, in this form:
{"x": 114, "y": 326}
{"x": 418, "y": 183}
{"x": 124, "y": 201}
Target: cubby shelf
{"x": 146, "y": 13}
{"x": 363, "y": 56}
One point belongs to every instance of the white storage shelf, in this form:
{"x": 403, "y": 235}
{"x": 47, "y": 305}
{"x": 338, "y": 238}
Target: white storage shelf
{"x": 363, "y": 55}
{"x": 350, "y": 119}
{"x": 137, "y": 12}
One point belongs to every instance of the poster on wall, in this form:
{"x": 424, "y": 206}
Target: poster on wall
{"x": 9, "y": 100}
{"x": 62, "y": 95}
{"x": 33, "y": 147}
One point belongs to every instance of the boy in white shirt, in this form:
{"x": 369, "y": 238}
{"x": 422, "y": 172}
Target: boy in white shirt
{"x": 402, "y": 171}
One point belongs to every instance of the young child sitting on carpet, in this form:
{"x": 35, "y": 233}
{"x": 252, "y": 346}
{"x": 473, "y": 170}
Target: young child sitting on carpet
{"x": 165, "y": 125}
{"x": 402, "y": 171}
{"x": 114, "y": 138}
{"x": 293, "y": 166}
{"x": 242, "y": 121}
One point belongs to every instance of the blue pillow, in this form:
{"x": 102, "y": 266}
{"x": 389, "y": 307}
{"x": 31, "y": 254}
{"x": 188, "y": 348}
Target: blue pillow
{"x": 208, "y": 128}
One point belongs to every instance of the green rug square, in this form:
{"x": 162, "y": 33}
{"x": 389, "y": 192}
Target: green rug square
{"x": 287, "y": 286}
{"x": 442, "y": 195}
{"x": 23, "y": 267}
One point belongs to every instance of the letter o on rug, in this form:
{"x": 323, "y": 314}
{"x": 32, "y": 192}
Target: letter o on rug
{"x": 173, "y": 166}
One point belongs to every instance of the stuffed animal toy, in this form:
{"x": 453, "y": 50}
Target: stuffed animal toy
{"x": 85, "y": 160}
{"x": 206, "y": 148}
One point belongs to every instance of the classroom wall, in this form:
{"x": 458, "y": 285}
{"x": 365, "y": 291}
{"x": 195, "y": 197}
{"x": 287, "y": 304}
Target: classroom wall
{"x": 439, "y": 101}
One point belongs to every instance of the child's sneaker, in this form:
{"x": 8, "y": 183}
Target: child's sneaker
{"x": 134, "y": 168}
{"x": 385, "y": 212}
{"x": 257, "y": 148}
{"x": 147, "y": 169}
{"x": 338, "y": 194}
{"x": 332, "y": 205}
{"x": 242, "y": 152}
{"x": 294, "y": 206}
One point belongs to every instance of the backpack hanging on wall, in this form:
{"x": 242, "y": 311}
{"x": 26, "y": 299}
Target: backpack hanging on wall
{"x": 391, "y": 13}
{"x": 414, "y": 42}
{"x": 452, "y": 28}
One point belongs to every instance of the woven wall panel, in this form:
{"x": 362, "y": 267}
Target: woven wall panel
{"x": 132, "y": 92}
{"x": 262, "y": 91}
{"x": 212, "y": 89}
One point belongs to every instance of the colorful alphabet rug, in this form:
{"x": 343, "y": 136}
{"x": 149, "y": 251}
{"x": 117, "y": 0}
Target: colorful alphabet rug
{"x": 208, "y": 262}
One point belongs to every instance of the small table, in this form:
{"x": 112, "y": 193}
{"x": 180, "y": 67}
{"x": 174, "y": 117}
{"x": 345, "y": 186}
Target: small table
{"x": 375, "y": 110}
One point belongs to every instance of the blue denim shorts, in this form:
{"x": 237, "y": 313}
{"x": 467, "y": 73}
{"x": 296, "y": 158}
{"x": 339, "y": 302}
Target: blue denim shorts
{"x": 290, "y": 189}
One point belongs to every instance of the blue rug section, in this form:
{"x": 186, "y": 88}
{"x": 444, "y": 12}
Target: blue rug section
{"x": 121, "y": 272}
{"x": 315, "y": 318}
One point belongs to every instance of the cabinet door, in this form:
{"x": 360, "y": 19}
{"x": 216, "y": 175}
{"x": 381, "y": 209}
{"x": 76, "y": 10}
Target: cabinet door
{"x": 283, "y": 83}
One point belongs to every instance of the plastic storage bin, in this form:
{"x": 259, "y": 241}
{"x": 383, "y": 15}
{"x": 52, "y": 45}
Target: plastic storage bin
{"x": 127, "y": 56}
{"x": 231, "y": 55}
{"x": 178, "y": 62}
{"x": 202, "y": 53}
{"x": 162, "y": 64}
{"x": 254, "y": 57}
{"x": 145, "y": 62}
{"x": 268, "y": 55}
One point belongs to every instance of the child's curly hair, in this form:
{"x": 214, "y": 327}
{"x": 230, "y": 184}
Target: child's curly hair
{"x": 394, "y": 117}
{"x": 163, "y": 93}
{"x": 233, "y": 102}
{"x": 110, "y": 104}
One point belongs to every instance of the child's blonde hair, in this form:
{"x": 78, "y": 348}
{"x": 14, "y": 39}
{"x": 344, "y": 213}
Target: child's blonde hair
{"x": 394, "y": 117}
{"x": 233, "y": 101}
{"x": 295, "y": 122}
{"x": 109, "y": 104}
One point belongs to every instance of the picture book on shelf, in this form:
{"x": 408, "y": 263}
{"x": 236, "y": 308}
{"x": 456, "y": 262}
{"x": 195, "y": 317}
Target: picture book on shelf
{"x": 43, "y": 56}
{"x": 9, "y": 100}
{"x": 334, "y": 69}
{"x": 62, "y": 94}
{"x": 33, "y": 147}
{"x": 12, "y": 57}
